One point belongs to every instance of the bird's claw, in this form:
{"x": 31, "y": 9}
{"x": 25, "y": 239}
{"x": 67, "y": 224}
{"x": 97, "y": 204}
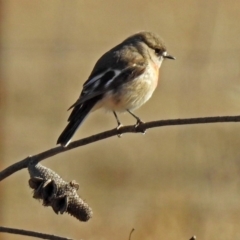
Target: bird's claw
{"x": 118, "y": 130}
{"x": 139, "y": 126}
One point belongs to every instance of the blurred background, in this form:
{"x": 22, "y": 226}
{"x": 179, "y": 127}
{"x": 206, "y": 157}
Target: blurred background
{"x": 171, "y": 183}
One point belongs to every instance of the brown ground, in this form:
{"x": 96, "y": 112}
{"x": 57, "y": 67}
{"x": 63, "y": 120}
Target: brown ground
{"x": 170, "y": 184}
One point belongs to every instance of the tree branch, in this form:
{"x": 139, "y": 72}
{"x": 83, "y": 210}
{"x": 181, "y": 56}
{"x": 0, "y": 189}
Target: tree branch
{"x": 31, "y": 233}
{"x": 193, "y": 238}
{"x": 110, "y": 133}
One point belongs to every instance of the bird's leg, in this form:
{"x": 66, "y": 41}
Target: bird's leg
{"x": 118, "y": 122}
{"x": 138, "y": 123}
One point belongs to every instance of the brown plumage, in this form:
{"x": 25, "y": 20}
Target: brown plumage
{"x": 123, "y": 79}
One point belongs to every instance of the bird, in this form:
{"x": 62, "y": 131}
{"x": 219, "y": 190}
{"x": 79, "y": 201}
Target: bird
{"x": 122, "y": 80}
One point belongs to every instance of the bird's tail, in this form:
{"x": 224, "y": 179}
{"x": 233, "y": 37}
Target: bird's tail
{"x": 78, "y": 114}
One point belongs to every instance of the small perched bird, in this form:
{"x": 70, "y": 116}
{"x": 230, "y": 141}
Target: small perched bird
{"x": 123, "y": 79}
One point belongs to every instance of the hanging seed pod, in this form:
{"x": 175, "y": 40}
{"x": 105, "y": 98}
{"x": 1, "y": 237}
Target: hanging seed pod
{"x": 62, "y": 196}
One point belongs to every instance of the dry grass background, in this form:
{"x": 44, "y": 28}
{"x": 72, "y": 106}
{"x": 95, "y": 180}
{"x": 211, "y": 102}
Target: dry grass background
{"x": 169, "y": 184}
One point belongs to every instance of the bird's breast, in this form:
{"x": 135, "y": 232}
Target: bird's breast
{"x": 134, "y": 93}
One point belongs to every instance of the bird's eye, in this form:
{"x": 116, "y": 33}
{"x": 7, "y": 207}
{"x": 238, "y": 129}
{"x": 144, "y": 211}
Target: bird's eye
{"x": 158, "y": 51}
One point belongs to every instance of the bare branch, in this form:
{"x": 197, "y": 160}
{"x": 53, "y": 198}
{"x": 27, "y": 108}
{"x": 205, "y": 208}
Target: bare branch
{"x": 31, "y": 233}
{"x": 130, "y": 235}
{"x": 193, "y": 238}
{"x": 110, "y": 133}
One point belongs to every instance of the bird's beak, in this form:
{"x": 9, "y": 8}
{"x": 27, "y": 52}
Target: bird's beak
{"x": 166, "y": 55}
{"x": 169, "y": 57}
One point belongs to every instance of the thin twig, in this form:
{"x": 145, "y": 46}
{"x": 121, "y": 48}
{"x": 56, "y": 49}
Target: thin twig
{"x": 193, "y": 238}
{"x": 130, "y": 235}
{"x": 110, "y": 133}
{"x": 31, "y": 233}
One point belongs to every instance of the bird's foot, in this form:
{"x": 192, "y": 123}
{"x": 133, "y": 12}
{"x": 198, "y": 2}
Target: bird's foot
{"x": 139, "y": 126}
{"x": 118, "y": 130}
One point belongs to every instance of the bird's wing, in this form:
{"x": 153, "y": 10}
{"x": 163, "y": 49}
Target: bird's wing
{"x": 107, "y": 81}
{"x": 117, "y": 64}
